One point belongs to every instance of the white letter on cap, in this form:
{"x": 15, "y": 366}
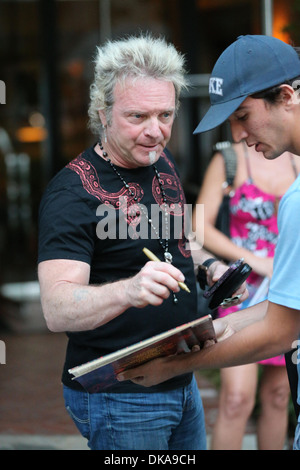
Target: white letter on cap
{"x": 215, "y": 86}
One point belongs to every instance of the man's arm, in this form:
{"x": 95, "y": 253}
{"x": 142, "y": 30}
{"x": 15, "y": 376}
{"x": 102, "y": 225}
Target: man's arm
{"x": 71, "y": 304}
{"x": 272, "y": 334}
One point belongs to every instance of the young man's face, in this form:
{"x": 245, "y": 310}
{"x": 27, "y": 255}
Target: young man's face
{"x": 262, "y": 125}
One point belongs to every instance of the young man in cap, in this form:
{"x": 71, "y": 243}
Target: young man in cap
{"x": 254, "y": 85}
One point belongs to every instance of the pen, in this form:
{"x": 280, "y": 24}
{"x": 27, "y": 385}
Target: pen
{"x": 152, "y": 257}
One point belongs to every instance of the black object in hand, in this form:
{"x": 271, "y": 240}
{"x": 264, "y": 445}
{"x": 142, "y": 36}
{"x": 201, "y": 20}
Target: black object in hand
{"x": 228, "y": 283}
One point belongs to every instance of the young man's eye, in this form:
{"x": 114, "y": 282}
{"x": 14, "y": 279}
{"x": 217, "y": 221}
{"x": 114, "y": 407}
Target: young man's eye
{"x": 242, "y": 117}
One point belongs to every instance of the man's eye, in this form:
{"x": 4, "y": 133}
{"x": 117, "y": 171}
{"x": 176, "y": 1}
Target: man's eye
{"x": 167, "y": 115}
{"x": 242, "y": 117}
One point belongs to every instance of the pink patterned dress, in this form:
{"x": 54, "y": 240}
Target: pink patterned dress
{"x": 253, "y": 225}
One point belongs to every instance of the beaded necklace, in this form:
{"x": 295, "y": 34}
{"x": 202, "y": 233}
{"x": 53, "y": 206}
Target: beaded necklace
{"x": 164, "y": 244}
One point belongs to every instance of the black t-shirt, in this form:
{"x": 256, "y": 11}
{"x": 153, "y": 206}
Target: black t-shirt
{"x": 74, "y": 224}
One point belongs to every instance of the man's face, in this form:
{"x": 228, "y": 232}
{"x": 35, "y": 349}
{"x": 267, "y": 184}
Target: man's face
{"x": 141, "y": 123}
{"x": 262, "y": 125}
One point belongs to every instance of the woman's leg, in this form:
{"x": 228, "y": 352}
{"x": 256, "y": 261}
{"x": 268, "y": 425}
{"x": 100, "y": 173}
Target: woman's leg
{"x": 237, "y": 398}
{"x": 274, "y": 398}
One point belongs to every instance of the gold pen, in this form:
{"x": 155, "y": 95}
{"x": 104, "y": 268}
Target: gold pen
{"x": 153, "y": 257}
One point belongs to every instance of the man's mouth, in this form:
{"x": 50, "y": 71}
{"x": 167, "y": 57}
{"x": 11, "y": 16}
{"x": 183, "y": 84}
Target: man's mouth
{"x": 258, "y": 146}
{"x": 151, "y": 147}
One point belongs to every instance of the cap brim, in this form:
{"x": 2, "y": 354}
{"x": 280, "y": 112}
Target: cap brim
{"x": 217, "y": 114}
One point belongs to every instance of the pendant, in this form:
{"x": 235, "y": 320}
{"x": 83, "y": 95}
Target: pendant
{"x": 168, "y": 257}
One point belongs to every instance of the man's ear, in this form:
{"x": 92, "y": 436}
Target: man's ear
{"x": 288, "y": 95}
{"x": 102, "y": 117}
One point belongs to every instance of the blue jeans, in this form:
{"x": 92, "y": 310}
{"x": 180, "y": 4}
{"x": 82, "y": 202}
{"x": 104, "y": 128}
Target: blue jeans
{"x": 172, "y": 420}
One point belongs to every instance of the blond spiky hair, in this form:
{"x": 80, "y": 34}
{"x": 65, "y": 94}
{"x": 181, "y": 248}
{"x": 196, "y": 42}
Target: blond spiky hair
{"x": 135, "y": 57}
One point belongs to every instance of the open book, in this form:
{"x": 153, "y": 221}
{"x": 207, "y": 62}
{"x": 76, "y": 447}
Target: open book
{"x": 101, "y": 373}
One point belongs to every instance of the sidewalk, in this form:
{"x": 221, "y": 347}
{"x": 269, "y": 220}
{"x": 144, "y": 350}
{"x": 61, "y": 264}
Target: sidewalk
{"x": 32, "y": 413}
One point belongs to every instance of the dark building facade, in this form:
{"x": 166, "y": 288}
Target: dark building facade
{"x": 46, "y": 49}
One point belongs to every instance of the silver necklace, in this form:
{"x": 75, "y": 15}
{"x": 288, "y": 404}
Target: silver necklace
{"x": 164, "y": 244}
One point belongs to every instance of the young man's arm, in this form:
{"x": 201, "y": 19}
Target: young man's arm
{"x": 271, "y": 334}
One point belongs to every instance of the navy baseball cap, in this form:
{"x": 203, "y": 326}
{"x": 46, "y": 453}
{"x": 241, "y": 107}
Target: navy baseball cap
{"x": 249, "y": 65}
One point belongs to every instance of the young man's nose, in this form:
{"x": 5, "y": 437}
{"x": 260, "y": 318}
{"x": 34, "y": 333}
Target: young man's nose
{"x": 238, "y": 132}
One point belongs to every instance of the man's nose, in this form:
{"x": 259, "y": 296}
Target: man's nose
{"x": 238, "y": 132}
{"x": 152, "y": 128}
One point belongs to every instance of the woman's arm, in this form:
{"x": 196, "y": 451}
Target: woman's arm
{"x": 216, "y": 242}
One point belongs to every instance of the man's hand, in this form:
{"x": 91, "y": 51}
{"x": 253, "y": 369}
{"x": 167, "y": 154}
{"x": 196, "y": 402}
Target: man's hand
{"x": 149, "y": 374}
{"x": 223, "y": 329}
{"x": 215, "y": 271}
{"x": 152, "y": 285}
